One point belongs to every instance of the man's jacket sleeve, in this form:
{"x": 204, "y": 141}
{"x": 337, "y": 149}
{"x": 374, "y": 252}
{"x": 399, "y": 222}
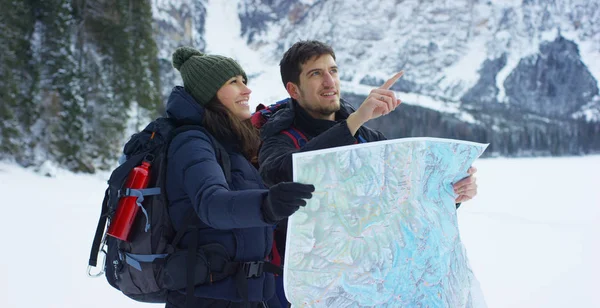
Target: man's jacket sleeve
{"x": 204, "y": 182}
{"x": 275, "y": 157}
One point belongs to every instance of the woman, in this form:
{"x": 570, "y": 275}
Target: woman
{"x": 237, "y": 215}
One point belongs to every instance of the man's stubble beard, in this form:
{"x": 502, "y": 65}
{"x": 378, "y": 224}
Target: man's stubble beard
{"x": 316, "y": 108}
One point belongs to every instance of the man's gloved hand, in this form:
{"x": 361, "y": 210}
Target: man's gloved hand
{"x": 284, "y": 199}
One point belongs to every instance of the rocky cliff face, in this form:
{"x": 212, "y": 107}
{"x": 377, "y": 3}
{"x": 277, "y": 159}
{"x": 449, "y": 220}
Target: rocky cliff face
{"x": 177, "y": 23}
{"x": 553, "y": 82}
{"x": 522, "y": 75}
{"x": 485, "y": 90}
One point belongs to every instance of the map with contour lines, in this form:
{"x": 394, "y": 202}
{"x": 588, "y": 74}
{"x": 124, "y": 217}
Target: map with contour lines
{"x": 381, "y": 229}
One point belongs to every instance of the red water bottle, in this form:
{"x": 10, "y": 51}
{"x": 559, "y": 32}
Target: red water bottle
{"x": 127, "y": 208}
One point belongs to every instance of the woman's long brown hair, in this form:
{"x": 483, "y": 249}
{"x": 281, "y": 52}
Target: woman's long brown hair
{"x": 224, "y": 125}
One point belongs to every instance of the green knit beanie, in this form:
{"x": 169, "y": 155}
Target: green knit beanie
{"x": 203, "y": 75}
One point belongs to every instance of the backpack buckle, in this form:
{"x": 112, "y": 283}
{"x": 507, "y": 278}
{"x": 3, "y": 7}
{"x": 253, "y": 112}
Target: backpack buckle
{"x": 253, "y": 269}
{"x": 125, "y": 192}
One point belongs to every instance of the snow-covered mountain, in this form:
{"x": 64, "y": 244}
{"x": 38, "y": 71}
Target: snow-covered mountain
{"x": 78, "y": 77}
{"x": 442, "y": 45}
{"x": 522, "y": 75}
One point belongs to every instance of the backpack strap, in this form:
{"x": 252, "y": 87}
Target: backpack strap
{"x": 191, "y": 268}
{"x": 246, "y": 270}
{"x": 300, "y": 139}
{"x": 297, "y": 136}
{"x": 140, "y": 193}
{"x": 263, "y": 113}
{"x": 223, "y": 159}
{"x": 191, "y": 219}
{"x": 99, "y": 233}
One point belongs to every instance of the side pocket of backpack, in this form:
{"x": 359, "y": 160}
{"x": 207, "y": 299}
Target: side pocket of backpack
{"x": 139, "y": 284}
{"x": 113, "y": 266}
{"x": 138, "y": 274}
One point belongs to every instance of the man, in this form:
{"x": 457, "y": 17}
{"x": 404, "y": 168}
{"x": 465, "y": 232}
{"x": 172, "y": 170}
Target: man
{"x": 318, "y": 114}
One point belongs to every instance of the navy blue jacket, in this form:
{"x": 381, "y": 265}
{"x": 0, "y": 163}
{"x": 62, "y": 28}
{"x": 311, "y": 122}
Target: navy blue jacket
{"x": 230, "y": 213}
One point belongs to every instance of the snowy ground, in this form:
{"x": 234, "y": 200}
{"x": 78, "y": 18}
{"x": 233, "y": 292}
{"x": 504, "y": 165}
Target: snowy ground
{"x": 531, "y": 234}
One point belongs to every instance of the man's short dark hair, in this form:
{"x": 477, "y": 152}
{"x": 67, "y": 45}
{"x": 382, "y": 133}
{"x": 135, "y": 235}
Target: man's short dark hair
{"x": 290, "y": 65}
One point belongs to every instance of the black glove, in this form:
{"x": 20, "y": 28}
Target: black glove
{"x": 284, "y": 199}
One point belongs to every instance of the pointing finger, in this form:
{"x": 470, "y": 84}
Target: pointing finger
{"x": 388, "y": 84}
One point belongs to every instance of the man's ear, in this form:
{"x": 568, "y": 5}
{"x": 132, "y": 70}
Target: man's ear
{"x": 292, "y": 90}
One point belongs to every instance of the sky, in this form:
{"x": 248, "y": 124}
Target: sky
{"x": 531, "y": 235}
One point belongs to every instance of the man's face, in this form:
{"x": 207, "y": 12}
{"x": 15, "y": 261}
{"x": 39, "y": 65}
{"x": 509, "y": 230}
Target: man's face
{"x": 319, "y": 89}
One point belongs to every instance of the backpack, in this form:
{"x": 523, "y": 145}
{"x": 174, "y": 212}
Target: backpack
{"x": 150, "y": 263}
{"x": 264, "y": 113}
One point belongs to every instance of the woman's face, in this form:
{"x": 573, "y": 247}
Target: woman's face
{"x": 234, "y": 95}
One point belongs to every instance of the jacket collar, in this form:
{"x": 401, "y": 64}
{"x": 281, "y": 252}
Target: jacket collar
{"x": 182, "y": 107}
{"x": 295, "y": 115}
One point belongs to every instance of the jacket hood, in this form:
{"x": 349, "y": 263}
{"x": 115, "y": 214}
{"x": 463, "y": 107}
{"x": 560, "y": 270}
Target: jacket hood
{"x": 182, "y": 107}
